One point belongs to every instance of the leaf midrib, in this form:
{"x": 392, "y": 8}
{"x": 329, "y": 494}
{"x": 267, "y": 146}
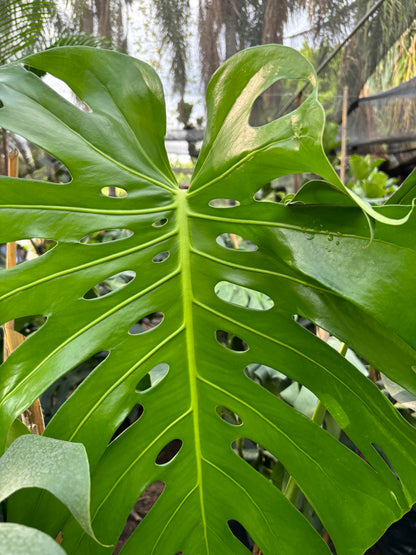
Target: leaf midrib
{"x": 188, "y": 300}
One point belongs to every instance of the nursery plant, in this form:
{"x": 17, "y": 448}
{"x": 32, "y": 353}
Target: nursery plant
{"x": 367, "y": 180}
{"x": 193, "y": 258}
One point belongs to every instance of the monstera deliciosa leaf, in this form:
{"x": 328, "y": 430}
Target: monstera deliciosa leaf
{"x": 188, "y": 367}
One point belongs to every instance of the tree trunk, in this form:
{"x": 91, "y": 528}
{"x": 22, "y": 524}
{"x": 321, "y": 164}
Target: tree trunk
{"x": 230, "y": 23}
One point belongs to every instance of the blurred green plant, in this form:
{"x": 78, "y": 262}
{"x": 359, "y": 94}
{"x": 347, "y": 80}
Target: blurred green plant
{"x": 368, "y": 181}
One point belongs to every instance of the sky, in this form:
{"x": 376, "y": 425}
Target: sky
{"x": 144, "y": 43}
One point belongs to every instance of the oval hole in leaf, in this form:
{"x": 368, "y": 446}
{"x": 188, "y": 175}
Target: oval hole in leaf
{"x": 230, "y": 341}
{"x": 382, "y": 454}
{"x": 110, "y": 285}
{"x": 261, "y": 460}
{"x": 115, "y": 192}
{"x": 291, "y": 392}
{"x": 24, "y": 327}
{"x": 106, "y": 236}
{"x": 28, "y": 325}
{"x": 265, "y": 463}
{"x": 243, "y": 297}
{"x": 133, "y": 416}
{"x": 141, "y": 508}
{"x": 229, "y": 416}
{"x": 235, "y": 242}
{"x": 241, "y": 534}
{"x": 153, "y": 377}
{"x": 223, "y": 203}
{"x": 65, "y": 91}
{"x": 27, "y": 249}
{"x": 147, "y": 323}
{"x": 40, "y": 165}
{"x": 304, "y": 323}
{"x": 57, "y": 393}
{"x": 278, "y": 189}
{"x": 160, "y": 223}
{"x": 251, "y": 451}
{"x": 169, "y": 452}
{"x": 161, "y": 257}
{"x": 267, "y": 377}
{"x": 273, "y": 102}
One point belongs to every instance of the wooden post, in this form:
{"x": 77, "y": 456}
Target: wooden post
{"x": 32, "y": 417}
{"x": 11, "y": 252}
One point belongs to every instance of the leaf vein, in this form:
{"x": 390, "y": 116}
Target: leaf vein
{"x": 113, "y": 310}
{"x": 90, "y": 264}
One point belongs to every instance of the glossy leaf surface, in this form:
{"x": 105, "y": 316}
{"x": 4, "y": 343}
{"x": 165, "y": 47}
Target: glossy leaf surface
{"x": 312, "y": 259}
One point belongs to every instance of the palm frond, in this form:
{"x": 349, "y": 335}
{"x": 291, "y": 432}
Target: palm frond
{"x": 22, "y": 23}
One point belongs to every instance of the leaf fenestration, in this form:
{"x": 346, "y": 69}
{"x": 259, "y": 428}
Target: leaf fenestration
{"x": 191, "y": 331}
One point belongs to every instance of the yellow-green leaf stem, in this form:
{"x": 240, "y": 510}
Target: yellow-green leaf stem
{"x": 187, "y": 299}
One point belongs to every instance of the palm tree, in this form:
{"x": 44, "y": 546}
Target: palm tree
{"x": 22, "y": 24}
{"x": 32, "y": 25}
{"x": 226, "y": 26}
{"x": 173, "y": 18}
{"x": 104, "y": 17}
{"x": 242, "y": 23}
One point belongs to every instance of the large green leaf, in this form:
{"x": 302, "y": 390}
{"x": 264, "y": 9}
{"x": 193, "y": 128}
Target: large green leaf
{"x": 21, "y": 540}
{"x": 59, "y": 467}
{"x": 312, "y": 259}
